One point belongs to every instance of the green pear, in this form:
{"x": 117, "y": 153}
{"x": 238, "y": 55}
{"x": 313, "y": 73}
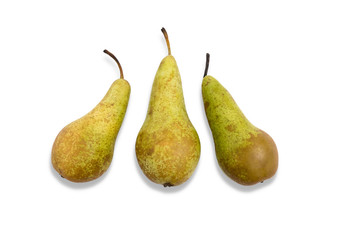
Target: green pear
{"x": 167, "y": 146}
{"x": 83, "y": 150}
{"x": 245, "y": 153}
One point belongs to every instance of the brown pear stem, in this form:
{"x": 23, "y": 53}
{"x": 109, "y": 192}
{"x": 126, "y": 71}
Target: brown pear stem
{"x": 117, "y": 61}
{"x": 207, "y": 64}
{"x": 167, "y": 40}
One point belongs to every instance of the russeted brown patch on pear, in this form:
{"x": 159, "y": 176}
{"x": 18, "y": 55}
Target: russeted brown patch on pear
{"x": 83, "y": 150}
{"x": 245, "y": 153}
{"x": 167, "y": 146}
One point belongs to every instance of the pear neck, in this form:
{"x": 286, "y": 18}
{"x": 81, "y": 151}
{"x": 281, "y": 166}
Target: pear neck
{"x": 167, "y": 94}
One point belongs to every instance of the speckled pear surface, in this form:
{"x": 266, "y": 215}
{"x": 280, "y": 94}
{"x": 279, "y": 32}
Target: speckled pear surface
{"x": 83, "y": 150}
{"x": 245, "y": 153}
{"x": 167, "y": 146}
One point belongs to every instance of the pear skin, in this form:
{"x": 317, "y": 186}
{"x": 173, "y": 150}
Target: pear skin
{"x": 245, "y": 153}
{"x": 167, "y": 146}
{"x": 83, "y": 150}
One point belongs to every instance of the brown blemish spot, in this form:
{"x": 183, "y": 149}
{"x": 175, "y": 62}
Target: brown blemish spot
{"x": 206, "y": 105}
{"x": 150, "y": 151}
{"x": 230, "y": 128}
{"x": 171, "y": 77}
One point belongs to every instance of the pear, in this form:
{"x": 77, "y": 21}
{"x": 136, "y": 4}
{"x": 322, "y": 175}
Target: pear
{"x": 83, "y": 150}
{"x": 245, "y": 153}
{"x": 167, "y": 146}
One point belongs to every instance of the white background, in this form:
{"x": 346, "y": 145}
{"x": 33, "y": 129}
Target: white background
{"x": 292, "y": 66}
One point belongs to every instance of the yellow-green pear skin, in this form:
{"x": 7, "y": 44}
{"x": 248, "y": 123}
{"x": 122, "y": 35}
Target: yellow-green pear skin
{"x": 83, "y": 150}
{"x": 167, "y": 146}
{"x": 245, "y": 153}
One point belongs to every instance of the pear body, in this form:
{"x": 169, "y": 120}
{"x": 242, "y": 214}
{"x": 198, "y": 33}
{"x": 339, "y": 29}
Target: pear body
{"x": 167, "y": 146}
{"x": 83, "y": 150}
{"x": 245, "y": 153}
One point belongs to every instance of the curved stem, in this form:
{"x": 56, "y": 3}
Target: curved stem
{"x": 207, "y": 64}
{"x": 167, "y": 40}
{"x": 117, "y": 61}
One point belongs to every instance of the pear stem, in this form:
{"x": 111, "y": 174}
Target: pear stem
{"x": 167, "y": 40}
{"x": 117, "y": 61}
{"x": 207, "y": 64}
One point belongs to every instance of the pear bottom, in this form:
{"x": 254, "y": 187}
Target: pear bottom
{"x": 252, "y": 163}
{"x": 77, "y": 159}
{"x": 168, "y": 158}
